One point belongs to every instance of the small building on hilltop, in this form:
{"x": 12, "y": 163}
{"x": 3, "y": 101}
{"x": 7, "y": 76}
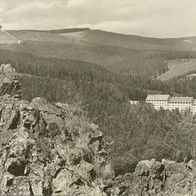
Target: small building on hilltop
{"x": 158, "y": 101}
{"x": 181, "y": 103}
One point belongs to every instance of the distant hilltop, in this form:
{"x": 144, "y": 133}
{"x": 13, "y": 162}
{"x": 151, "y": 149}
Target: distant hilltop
{"x": 61, "y": 31}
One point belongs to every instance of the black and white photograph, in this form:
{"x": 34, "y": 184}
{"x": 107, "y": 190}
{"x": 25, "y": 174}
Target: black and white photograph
{"x": 97, "y": 97}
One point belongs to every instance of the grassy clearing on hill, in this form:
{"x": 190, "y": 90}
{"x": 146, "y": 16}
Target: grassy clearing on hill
{"x": 179, "y": 68}
{"x": 6, "y": 38}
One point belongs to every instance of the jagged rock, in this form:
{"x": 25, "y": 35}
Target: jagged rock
{"x": 46, "y": 149}
{"x": 154, "y": 178}
{"x": 39, "y": 150}
{"x": 20, "y": 186}
{"x": 61, "y": 186}
{"x": 6, "y": 182}
{"x": 8, "y": 82}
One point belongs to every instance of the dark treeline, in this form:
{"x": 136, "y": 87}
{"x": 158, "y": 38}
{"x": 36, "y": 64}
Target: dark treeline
{"x": 139, "y": 132}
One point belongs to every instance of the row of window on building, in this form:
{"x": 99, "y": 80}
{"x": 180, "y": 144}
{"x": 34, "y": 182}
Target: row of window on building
{"x": 171, "y": 103}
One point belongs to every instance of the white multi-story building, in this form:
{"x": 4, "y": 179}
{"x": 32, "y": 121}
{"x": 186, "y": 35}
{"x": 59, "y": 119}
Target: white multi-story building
{"x": 171, "y": 103}
{"x": 181, "y": 103}
{"x": 158, "y": 101}
{"x": 194, "y": 107}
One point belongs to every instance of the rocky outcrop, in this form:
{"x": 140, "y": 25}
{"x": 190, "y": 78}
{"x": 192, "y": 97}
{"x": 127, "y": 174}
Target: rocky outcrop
{"x": 8, "y": 82}
{"x": 47, "y": 149}
{"x": 154, "y": 178}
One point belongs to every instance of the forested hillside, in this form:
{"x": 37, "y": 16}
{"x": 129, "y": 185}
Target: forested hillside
{"x": 139, "y": 132}
{"x": 102, "y": 77}
{"x": 115, "y": 59}
{"x": 124, "y": 54}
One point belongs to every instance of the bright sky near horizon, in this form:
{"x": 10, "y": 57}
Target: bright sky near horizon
{"x": 154, "y": 18}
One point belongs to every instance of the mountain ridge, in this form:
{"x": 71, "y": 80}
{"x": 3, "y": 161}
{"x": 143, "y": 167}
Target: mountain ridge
{"x": 119, "y": 53}
{"x": 73, "y": 30}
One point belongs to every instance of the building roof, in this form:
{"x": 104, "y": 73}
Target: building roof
{"x": 181, "y": 100}
{"x": 157, "y": 97}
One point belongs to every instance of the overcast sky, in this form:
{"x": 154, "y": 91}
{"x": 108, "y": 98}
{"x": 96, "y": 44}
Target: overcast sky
{"x": 155, "y": 18}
